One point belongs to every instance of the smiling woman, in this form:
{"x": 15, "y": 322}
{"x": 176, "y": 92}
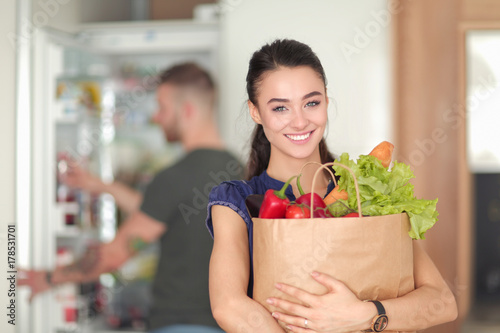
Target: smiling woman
{"x": 286, "y": 87}
{"x": 293, "y": 122}
{"x": 295, "y": 85}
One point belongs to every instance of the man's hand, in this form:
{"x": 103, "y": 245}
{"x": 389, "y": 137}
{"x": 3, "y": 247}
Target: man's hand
{"x": 128, "y": 199}
{"x": 36, "y": 280}
{"x": 79, "y": 178}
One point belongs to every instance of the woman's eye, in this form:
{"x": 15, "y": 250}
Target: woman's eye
{"x": 279, "y": 108}
{"x": 313, "y": 103}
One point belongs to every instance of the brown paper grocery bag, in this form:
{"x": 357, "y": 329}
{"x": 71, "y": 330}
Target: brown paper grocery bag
{"x": 373, "y": 255}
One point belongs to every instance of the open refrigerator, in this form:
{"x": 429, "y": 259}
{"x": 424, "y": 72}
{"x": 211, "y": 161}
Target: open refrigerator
{"x": 93, "y": 97}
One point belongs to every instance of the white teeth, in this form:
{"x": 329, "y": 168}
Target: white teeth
{"x": 298, "y": 137}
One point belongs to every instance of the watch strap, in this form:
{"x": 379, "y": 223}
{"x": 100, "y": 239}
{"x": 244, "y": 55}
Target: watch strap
{"x": 48, "y": 277}
{"x": 380, "y": 316}
{"x": 380, "y": 307}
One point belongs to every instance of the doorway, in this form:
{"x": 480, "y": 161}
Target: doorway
{"x": 482, "y": 101}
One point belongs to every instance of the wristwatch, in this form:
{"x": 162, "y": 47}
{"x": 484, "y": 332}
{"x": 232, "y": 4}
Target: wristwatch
{"x": 380, "y": 321}
{"x": 48, "y": 277}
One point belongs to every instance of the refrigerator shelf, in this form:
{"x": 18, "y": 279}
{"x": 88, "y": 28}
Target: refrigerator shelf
{"x": 65, "y": 112}
{"x": 98, "y": 325}
{"x": 69, "y": 232}
{"x": 68, "y": 207}
{"x": 70, "y": 119}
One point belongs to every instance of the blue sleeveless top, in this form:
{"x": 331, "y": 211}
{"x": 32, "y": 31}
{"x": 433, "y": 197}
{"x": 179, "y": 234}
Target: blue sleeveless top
{"x": 232, "y": 194}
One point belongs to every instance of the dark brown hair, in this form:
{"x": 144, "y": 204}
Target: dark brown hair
{"x": 189, "y": 75}
{"x": 280, "y": 53}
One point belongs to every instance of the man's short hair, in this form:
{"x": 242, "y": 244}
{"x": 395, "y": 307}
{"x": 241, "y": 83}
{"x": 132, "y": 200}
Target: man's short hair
{"x": 188, "y": 75}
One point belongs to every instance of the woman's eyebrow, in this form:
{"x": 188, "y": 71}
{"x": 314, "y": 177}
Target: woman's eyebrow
{"x": 311, "y": 94}
{"x": 279, "y": 100}
{"x": 286, "y": 100}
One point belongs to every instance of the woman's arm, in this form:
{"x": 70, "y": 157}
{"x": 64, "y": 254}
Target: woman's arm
{"x": 431, "y": 303}
{"x": 229, "y": 276}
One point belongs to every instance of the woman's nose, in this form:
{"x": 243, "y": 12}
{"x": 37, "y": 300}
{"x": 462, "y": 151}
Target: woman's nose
{"x": 299, "y": 120}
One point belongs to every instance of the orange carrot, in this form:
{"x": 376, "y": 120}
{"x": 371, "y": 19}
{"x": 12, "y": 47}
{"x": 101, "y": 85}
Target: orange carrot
{"x": 383, "y": 151}
{"x": 334, "y": 195}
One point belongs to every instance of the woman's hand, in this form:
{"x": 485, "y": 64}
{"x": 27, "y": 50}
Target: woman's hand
{"x": 338, "y": 310}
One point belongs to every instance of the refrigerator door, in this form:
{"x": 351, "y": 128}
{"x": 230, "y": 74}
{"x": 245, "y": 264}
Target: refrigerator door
{"x": 71, "y": 122}
{"x": 93, "y": 97}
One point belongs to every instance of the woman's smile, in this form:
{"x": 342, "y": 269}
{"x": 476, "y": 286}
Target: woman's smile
{"x": 300, "y": 138}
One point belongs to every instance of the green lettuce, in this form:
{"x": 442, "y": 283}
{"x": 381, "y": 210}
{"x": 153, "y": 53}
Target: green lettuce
{"x": 384, "y": 192}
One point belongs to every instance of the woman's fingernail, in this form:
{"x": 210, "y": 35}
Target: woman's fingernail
{"x": 278, "y": 285}
{"x": 315, "y": 274}
{"x": 275, "y": 315}
{"x": 289, "y": 327}
{"x": 270, "y": 301}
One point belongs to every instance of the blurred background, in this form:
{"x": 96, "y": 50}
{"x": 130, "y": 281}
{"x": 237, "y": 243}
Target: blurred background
{"x": 78, "y": 80}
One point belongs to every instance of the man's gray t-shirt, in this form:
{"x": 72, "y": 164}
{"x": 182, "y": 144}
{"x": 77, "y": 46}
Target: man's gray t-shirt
{"x": 178, "y": 197}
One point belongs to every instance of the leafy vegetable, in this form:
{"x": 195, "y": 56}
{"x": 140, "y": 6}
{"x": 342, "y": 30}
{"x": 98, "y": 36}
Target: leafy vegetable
{"x": 384, "y": 192}
{"x": 338, "y": 209}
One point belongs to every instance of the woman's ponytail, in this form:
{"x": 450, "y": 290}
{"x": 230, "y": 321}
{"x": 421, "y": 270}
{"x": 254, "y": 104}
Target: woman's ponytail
{"x": 260, "y": 153}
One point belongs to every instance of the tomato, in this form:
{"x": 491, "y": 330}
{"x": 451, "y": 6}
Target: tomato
{"x": 353, "y": 214}
{"x": 297, "y": 211}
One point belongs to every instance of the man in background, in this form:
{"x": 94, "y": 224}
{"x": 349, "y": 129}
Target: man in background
{"x": 172, "y": 210}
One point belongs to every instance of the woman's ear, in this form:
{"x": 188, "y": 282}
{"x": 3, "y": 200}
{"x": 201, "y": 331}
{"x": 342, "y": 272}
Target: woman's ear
{"x": 254, "y": 112}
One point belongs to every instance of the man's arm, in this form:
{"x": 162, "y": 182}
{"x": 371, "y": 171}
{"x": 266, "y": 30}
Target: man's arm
{"x": 136, "y": 232}
{"x": 128, "y": 199}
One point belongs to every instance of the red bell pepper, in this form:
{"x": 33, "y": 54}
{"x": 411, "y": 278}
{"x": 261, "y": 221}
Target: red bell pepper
{"x": 305, "y": 198}
{"x": 275, "y": 203}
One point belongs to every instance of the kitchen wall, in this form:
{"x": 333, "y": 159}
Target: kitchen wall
{"x": 7, "y": 146}
{"x": 351, "y": 38}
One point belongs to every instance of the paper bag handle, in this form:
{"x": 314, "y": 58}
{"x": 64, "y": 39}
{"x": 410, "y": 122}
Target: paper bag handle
{"x": 324, "y": 166}
{"x": 317, "y": 163}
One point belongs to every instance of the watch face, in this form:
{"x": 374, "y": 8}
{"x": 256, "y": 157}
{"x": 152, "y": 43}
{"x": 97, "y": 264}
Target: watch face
{"x": 380, "y": 323}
